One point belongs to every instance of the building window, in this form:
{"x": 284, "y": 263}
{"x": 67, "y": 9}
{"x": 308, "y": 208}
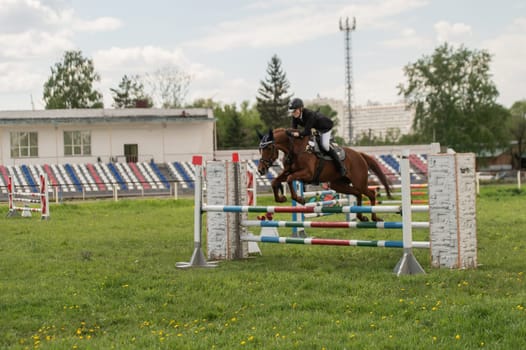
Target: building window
{"x": 24, "y": 144}
{"x": 77, "y": 143}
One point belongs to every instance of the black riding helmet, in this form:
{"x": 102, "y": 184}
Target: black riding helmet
{"x": 295, "y": 104}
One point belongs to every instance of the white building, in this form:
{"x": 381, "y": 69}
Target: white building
{"x": 378, "y": 120}
{"x": 374, "y": 119}
{"x": 90, "y": 135}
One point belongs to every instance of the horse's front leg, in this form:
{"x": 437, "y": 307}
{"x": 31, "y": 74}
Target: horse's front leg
{"x": 277, "y": 188}
{"x": 293, "y": 193}
{"x": 302, "y": 175}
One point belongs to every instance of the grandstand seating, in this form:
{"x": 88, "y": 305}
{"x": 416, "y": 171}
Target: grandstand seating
{"x": 148, "y": 176}
{"x": 181, "y": 174}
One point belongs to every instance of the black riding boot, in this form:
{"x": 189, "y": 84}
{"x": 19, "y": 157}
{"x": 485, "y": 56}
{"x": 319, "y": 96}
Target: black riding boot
{"x": 339, "y": 165}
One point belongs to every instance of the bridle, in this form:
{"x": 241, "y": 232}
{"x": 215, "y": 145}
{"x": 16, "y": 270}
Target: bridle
{"x": 264, "y": 145}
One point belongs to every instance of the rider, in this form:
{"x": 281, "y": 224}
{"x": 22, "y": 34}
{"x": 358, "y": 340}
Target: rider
{"x": 314, "y": 120}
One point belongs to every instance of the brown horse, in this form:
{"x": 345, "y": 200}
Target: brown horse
{"x": 300, "y": 164}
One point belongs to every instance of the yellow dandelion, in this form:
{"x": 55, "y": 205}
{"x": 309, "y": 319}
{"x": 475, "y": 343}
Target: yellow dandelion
{"x": 243, "y": 342}
{"x": 457, "y": 337}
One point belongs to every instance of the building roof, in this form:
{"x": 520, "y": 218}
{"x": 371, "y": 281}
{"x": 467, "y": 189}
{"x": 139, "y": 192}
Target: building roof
{"x": 113, "y": 116}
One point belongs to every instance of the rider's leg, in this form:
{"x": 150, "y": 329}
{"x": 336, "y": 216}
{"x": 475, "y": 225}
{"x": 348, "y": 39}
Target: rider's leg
{"x": 325, "y": 145}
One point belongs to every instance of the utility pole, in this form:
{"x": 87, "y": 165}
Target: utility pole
{"x": 347, "y": 27}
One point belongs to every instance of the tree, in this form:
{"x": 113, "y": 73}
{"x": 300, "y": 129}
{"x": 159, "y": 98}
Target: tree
{"x": 454, "y": 99}
{"x": 130, "y": 94}
{"x": 168, "y": 86}
{"x": 235, "y": 127}
{"x": 518, "y": 131}
{"x": 273, "y": 99}
{"x": 71, "y": 84}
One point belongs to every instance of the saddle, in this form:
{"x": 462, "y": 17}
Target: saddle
{"x": 313, "y": 146}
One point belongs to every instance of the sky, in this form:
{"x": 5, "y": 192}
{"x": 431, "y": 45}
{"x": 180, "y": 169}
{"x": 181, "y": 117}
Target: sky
{"x": 225, "y": 46}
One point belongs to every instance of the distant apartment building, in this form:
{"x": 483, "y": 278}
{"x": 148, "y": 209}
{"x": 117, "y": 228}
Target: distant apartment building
{"x": 374, "y": 120}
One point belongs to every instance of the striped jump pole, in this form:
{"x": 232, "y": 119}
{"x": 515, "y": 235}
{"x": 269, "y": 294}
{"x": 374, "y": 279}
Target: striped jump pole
{"x": 319, "y": 193}
{"x": 313, "y": 209}
{"x": 334, "y": 224}
{"x": 334, "y": 242}
{"x": 413, "y": 186}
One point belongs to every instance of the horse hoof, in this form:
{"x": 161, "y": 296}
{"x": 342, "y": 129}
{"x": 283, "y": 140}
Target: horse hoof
{"x": 281, "y": 199}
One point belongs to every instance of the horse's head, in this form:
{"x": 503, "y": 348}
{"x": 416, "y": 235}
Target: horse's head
{"x": 268, "y": 151}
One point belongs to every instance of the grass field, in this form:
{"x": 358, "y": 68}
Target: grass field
{"x": 101, "y": 275}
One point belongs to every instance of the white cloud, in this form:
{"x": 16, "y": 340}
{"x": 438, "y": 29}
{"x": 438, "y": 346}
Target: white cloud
{"x": 455, "y": 33}
{"x": 137, "y": 59}
{"x": 408, "y": 38}
{"x": 11, "y": 80}
{"x": 33, "y": 43}
{"x": 509, "y": 55}
{"x": 288, "y": 25}
{"x": 205, "y": 81}
{"x": 35, "y": 32}
{"x": 101, "y": 24}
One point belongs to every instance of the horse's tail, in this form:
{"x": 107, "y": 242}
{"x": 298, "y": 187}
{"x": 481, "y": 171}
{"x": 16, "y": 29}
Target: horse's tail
{"x": 375, "y": 167}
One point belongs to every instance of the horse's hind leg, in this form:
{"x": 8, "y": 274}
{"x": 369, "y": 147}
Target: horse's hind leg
{"x": 371, "y": 194}
{"x": 343, "y": 187}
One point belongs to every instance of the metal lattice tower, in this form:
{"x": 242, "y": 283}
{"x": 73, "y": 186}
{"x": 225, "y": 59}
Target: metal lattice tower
{"x": 347, "y": 27}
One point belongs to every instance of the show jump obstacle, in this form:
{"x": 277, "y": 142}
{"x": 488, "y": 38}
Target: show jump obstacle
{"x": 452, "y": 217}
{"x": 32, "y": 201}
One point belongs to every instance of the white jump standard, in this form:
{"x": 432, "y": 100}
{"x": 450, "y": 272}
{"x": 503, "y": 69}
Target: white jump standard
{"x": 30, "y": 199}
